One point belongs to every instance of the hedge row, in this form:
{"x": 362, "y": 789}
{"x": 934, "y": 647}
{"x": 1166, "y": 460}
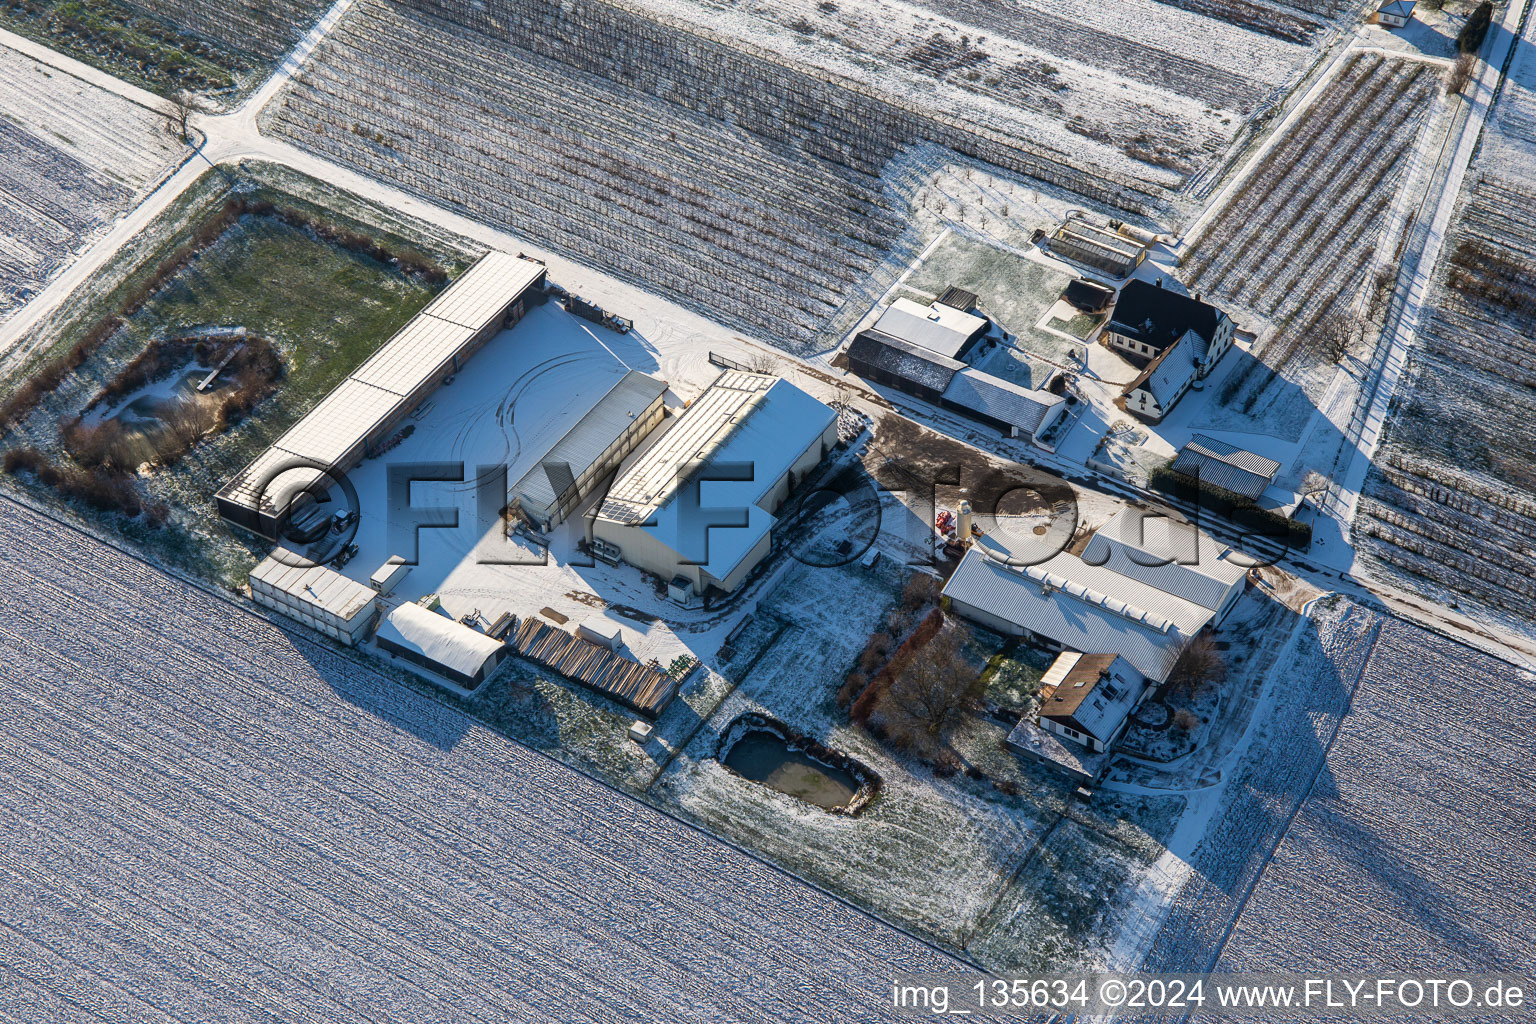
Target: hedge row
{"x": 1238, "y": 508}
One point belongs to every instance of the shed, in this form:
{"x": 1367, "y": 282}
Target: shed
{"x": 1226, "y": 466}
{"x": 440, "y": 645}
{"x": 1089, "y": 296}
{"x": 603, "y": 631}
{"x": 388, "y": 576}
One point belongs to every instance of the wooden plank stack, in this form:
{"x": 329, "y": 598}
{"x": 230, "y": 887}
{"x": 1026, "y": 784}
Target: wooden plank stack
{"x": 638, "y": 687}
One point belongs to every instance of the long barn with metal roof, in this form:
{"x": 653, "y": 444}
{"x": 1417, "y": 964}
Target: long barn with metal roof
{"x": 1143, "y": 588}
{"x": 698, "y": 508}
{"x": 592, "y": 449}
{"x": 363, "y": 410}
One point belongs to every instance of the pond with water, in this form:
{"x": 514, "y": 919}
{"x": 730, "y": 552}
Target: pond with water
{"x": 766, "y": 757}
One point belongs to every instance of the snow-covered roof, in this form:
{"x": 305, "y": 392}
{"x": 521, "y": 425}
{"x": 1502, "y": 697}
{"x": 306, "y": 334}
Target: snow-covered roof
{"x": 1121, "y": 597}
{"x": 1226, "y": 465}
{"x": 1175, "y": 557}
{"x": 439, "y": 639}
{"x": 937, "y": 328}
{"x": 744, "y": 421}
{"x": 1084, "y": 607}
{"x": 316, "y": 585}
{"x": 585, "y": 443}
{"x": 1001, "y": 399}
{"x": 1072, "y": 758}
{"x": 1401, "y": 8}
{"x": 902, "y": 359}
{"x": 1166, "y": 375}
{"x": 380, "y": 389}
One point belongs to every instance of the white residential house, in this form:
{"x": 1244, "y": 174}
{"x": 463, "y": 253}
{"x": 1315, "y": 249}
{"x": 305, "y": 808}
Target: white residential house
{"x": 1177, "y": 340}
{"x": 1395, "y": 13}
{"x": 1088, "y": 698}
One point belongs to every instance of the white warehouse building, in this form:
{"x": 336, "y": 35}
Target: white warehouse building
{"x": 368, "y": 407}
{"x": 714, "y": 532}
{"x": 320, "y": 598}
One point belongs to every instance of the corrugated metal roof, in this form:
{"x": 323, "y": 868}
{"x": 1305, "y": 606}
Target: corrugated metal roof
{"x": 439, "y": 639}
{"x": 735, "y": 421}
{"x": 1037, "y": 598}
{"x": 316, "y": 585}
{"x": 414, "y": 355}
{"x": 381, "y": 385}
{"x": 1226, "y": 465}
{"x": 342, "y": 418}
{"x": 481, "y": 291}
{"x": 1172, "y": 556}
{"x": 1001, "y": 399}
{"x": 940, "y": 329}
{"x": 584, "y": 443}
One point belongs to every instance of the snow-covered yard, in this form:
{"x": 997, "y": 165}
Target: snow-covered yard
{"x": 958, "y": 858}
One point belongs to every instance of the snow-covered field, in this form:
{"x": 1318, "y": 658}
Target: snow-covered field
{"x": 712, "y": 158}
{"x": 72, "y": 158}
{"x": 1411, "y": 851}
{"x": 1153, "y": 88}
{"x": 207, "y": 818}
{"x": 1449, "y": 508}
{"x": 1274, "y": 777}
{"x": 1298, "y": 240}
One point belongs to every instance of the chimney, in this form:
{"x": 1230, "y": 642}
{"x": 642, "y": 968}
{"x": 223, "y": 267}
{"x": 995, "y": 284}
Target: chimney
{"x": 1159, "y": 282}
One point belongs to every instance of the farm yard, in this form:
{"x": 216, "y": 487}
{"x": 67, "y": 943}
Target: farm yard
{"x": 243, "y": 808}
{"x": 1003, "y": 865}
{"x": 72, "y": 158}
{"x": 166, "y": 45}
{"x": 1296, "y": 248}
{"x": 1449, "y": 508}
{"x": 1408, "y": 850}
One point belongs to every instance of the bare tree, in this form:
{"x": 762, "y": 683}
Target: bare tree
{"x": 762, "y": 362}
{"x": 1200, "y": 665}
{"x": 1339, "y": 329}
{"x": 178, "y": 111}
{"x": 931, "y": 692}
{"x": 1460, "y": 74}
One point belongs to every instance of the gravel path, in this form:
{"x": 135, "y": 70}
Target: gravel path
{"x": 205, "y": 818}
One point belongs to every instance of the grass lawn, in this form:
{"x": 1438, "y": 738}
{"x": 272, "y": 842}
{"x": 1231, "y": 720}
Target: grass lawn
{"x": 1013, "y": 290}
{"x": 123, "y": 41}
{"x": 324, "y": 307}
{"x": 1012, "y": 675}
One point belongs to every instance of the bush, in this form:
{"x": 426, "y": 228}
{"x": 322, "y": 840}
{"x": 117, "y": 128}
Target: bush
{"x": 921, "y": 589}
{"x": 1184, "y": 720}
{"x": 1460, "y": 74}
{"x": 30, "y": 460}
{"x": 1470, "y": 39}
{"x": 1237, "y": 508}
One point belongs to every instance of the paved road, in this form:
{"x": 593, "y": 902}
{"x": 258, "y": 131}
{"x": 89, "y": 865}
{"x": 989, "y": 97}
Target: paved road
{"x": 203, "y": 818}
